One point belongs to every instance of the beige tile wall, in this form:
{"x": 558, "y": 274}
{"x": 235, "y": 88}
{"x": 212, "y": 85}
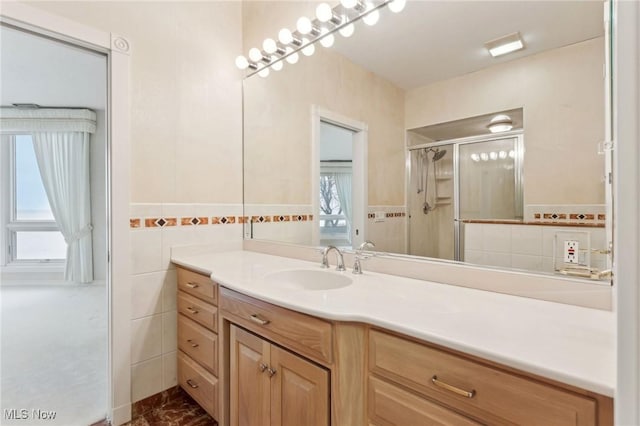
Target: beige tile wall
{"x": 154, "y": 284}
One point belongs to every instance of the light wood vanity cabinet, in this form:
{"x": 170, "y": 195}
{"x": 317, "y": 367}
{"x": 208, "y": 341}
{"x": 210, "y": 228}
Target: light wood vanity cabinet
{"x": 252, "y": 363}
{"x": 272, "y": 386}
{"x": 198, "y": 338}
{"x": 462, "y": 386}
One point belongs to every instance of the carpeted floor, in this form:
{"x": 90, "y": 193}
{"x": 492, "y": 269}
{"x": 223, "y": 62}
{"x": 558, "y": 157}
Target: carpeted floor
{"x": 53, "y": 354}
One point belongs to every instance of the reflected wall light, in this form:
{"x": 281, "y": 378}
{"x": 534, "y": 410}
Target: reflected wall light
{"x": 500, "y": 123}
{"x": 327, "y": 21}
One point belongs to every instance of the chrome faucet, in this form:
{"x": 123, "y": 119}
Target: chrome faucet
{"x": 339, "y": 258}
{"x": 357, "y": 267}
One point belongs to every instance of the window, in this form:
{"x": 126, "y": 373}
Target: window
{"x": 30, "y": 232}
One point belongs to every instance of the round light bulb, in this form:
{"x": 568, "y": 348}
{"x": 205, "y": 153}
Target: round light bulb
{"x": 324, "y": 12}
{"x": 309, "y": 49}
{"x": 277, "y": 66}
{"x": 475, "y": 157}
{"x": 292, "y": 58}
{"x": 349, "y": 3}
{"x": 255, "y": 54}
{"x": 512, "y": 154}
{"x": 285, "y": 36}
{"x": 347, "y": 31}
{"x": 493, "y": 155}
{"x": 269, "y": 45}
{"x": 327, "y": 40}
{"x": 373, "y": 17}
{"x": 304, "y": 25}
{"x": 502, "y": 155}
{"x": 484, "y": 156}
{"x": 242, "y": 63}
{"x": 264, "y": 71}
{"x": 397, "y": 5}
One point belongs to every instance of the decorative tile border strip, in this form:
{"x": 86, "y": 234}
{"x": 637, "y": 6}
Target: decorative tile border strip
{"x": 388, "y": 215}
{"x": 163, "y": 222}
{"x": 564, "y": 218}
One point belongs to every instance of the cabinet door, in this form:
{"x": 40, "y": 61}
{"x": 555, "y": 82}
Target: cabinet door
{"x": 299, "y": 391}
{"x": 249, "y": 383}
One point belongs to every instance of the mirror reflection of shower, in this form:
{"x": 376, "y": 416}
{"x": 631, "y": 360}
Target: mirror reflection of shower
{"x": 425, "y": 176}
{"x": 458, "y": 172}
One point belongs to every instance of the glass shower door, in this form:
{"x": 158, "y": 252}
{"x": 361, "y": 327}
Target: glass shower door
{"x": 489, "y": 185}
{"x": 490, "y": 180}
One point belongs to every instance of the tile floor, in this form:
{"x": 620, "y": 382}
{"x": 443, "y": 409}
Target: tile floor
{"x": 180, "y": 410}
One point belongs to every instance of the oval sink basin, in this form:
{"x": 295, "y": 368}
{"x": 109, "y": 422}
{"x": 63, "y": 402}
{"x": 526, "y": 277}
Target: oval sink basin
{"x": 309, "y": 279}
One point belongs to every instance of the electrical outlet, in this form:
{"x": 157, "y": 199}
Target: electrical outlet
{"x": 570, "y": 251}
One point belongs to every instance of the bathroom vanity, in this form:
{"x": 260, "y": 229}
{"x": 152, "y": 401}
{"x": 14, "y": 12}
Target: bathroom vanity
{"x": 274, "y": 347}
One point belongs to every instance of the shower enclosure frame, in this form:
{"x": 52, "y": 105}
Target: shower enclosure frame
{"x": 455, "y": 144}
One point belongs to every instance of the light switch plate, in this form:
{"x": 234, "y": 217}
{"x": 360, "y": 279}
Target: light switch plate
{"x": 380, "y": 216}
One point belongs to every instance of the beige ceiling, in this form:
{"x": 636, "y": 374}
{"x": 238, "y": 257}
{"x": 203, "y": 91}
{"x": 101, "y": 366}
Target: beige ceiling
{"x": 435, "y": 40}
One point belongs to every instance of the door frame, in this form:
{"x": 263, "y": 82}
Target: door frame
{"x": 359, "y": 190}
{"x": 117, "y": 49}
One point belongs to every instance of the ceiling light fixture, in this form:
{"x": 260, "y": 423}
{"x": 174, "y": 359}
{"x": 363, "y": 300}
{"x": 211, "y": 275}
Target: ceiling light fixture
{"x": 328, "y": 20}
{"x": 506, "y": 44}
{"x": 500, "y": 123}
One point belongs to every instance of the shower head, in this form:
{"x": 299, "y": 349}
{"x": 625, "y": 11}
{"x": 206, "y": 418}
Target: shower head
{"x": 438, "y": 154}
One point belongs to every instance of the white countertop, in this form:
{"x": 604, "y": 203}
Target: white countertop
{"x": 570, "y": 344}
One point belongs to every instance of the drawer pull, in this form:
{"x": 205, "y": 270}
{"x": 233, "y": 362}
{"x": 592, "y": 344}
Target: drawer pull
{"x": 262, "y": 367}
{"x": 271, "y": 372}
{"x": 256, "y": 318}
{"x": 191, "y": 384}
{"x": 458, "y": 391}
{"x": 191, "y": 310}
{"x": 191, "y": 284}
{"x": 193, "y": 345}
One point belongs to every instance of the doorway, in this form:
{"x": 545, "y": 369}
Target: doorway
{"x": 338, "y": 179}
{"x": 54, "y": 295}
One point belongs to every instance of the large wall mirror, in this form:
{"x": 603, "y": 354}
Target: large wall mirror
{"x": 410, "y": 134}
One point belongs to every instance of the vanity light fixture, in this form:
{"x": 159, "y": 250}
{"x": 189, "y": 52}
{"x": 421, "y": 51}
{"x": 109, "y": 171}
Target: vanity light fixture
{"x": 500, "y": 123}
{"x": 327, "y": 21}
{"x": 396, "y": 6}
{"x": 505, "y": 44}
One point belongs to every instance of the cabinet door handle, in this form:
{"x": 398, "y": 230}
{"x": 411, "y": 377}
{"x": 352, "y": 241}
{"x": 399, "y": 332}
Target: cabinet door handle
{"x": 191, "y": 284}
{"x": 457, "y": 391}
{"x": 262, "y": 367}
{"x": 193, "y": 344}
{"x": 191, "y": 310}
{"x": 271, "y": 372}
{"x": 191, "y": 384}
{"x": 256, "y": 318}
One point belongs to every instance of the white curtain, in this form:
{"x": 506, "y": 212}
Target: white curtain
{"x": 63, "y": 160}
{"x": 61, "y": 139}
{"x": 343, "y": 186}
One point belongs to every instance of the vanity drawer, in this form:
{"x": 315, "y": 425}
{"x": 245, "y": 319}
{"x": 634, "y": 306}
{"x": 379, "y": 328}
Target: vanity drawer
{"x": 199, "y": 343}
{"x": 199, "y": 383}
{"x": 495, "y": 396}
{"x": 309, "y": 335}
{"x": 390, "y": 405}
{"x": 198, "y": 285}
{"x": 198, "y": 310}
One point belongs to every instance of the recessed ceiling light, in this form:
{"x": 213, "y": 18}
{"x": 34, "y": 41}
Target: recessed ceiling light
{"x": 506, "y": 44}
